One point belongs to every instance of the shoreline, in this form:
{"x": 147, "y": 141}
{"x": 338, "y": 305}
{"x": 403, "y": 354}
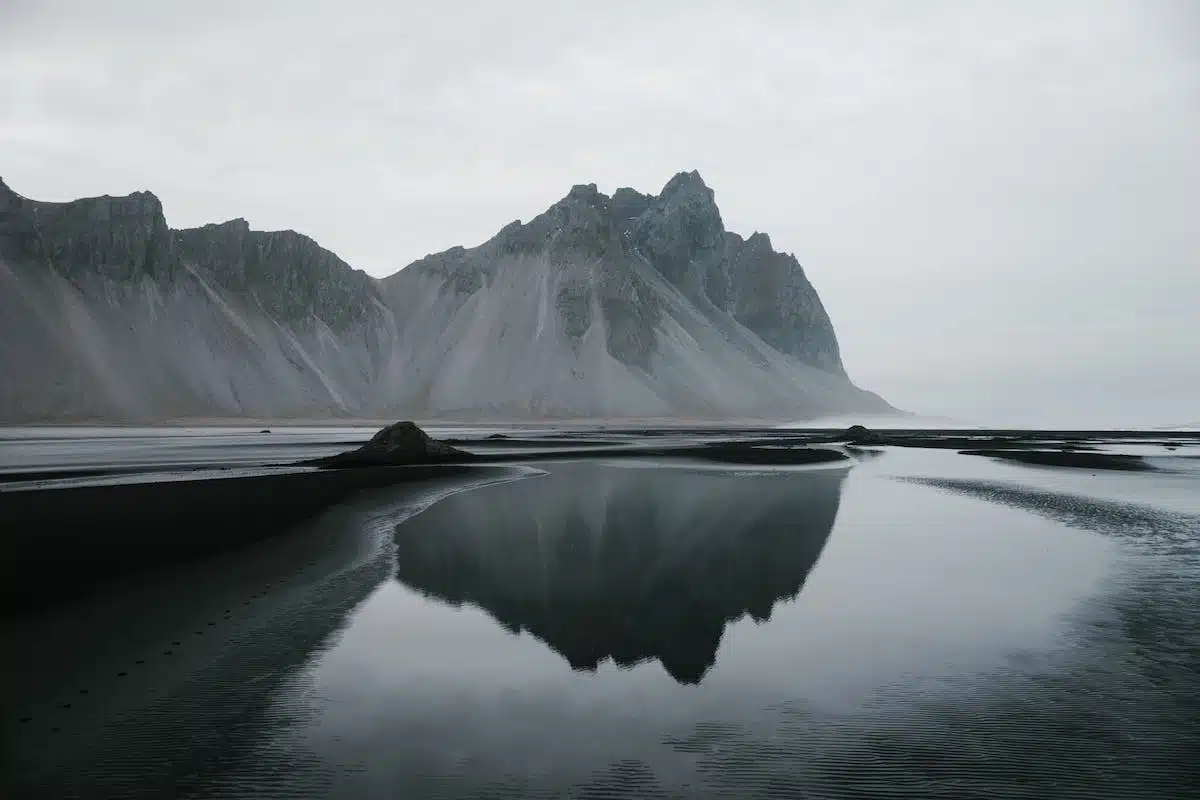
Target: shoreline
{"x": 69, "y": 532}
{"x": 608, "y": 426}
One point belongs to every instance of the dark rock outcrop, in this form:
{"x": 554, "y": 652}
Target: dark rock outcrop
{"x": 117, "y": 237}
{"x": 398, "y": 444}
{"x": 288, "y": 274}
{"x": 770, "y": 294}
{"x": 860, "y": 434}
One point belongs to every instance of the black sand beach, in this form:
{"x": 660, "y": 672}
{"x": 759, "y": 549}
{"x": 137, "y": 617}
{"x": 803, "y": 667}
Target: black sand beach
{"x": 678, "y": 612}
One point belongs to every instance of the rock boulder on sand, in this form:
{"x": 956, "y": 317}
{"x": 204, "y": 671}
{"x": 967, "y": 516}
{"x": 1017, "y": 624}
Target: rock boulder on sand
{"x": 859, "y": 434}
{"x": 399, "y": 444}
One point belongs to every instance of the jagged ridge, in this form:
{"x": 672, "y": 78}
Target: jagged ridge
{"x": 630, "y": 305}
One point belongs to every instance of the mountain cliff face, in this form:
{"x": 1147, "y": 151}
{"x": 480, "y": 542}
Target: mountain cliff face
{"x": 624, "y": 306}
{"x": 105, "y": 313}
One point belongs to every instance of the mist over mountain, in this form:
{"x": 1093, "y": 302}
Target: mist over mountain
{"x": 632, "y": 305}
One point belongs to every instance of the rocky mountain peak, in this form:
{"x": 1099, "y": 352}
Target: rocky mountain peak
{"x": 687, "y": 184}
{"x": 579, "y": 226}
{"x": 681, "y": 234}
{"x": 759, "y": 239}
{"x": 585, "y": 206}
{"x": 239, "y": 225}
{"x": 628, "y": 204}
{"x": 584, "y": 192}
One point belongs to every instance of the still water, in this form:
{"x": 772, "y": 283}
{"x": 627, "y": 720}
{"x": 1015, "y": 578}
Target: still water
{"x": 596, "y": 629}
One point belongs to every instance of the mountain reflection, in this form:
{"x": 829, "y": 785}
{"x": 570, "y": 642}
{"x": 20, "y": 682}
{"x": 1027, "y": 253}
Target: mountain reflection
{"x": 624, "y": 563}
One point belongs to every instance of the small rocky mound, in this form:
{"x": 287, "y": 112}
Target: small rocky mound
{"x": 399, "y": 444}
{"x": 859, "y": 434}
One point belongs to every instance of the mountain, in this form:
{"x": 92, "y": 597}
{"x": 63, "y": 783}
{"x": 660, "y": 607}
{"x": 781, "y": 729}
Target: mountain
{"x": 626, "y": 306}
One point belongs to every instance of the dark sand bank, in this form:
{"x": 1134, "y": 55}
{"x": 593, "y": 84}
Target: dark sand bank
{"x": 501, "y": 440}
{"x": 723, "y": 453}
{"x": 64, "y": 542}
{"x": 999, "y": 439}
{"x": 1081, "y": 459}
{"x": 1072, "y": 449}
{"x": 38, "y": 476}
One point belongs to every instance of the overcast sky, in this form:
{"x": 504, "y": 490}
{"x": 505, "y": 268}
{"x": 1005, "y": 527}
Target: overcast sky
{"x": 999, "y": 202}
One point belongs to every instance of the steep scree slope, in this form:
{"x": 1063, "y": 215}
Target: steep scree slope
{"x": 625, "y": 306}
